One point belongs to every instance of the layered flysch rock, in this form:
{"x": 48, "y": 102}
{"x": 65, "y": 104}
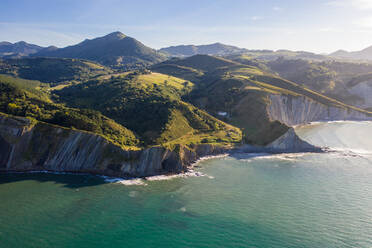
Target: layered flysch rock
{"x": 30, "y": 146}
{"x": 296, "y": 110}
{"x": 290, "y": 142}
{"x": 299, "y": 110}
{"x": 27, "y": 146}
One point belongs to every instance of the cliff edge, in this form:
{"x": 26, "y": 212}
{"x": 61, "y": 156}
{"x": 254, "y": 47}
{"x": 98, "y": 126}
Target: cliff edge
{"x": 27, "y": 145}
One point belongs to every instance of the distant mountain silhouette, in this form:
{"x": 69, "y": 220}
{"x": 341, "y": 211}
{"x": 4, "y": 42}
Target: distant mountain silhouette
{"x": 18, "y": 49}
{"x": 212, "y": 49}
{"x": 365, "y": 54}
{"x": 115, "y": 49}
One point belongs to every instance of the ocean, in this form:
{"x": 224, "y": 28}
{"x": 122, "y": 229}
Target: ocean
{"x": 241, "y": 200}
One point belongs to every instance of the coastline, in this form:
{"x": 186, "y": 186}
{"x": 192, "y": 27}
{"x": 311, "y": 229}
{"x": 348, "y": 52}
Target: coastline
{"x": 128, "y": 180}
{"x": 174, "y": 164}
{"x": 142, "y": 181}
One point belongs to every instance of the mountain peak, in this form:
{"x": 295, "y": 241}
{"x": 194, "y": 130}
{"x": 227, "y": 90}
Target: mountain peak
{"x": 340, "y": 53}
{"x": 5, "y": 43}
{"x": 368, "y": 49}
{"x": 21, "y": 43}
{"x": 19, "y": 48}
{"x": 116, "y": 35}
{"x": 114, "y": 49}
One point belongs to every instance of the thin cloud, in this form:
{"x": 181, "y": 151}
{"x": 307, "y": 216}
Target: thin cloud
{"x": 256, "y": 18}
{"x": 356, "y": 4}
{"x": 362, "y": 4}
{"x": 336, "y": 3}
{"x": 329, "y": 29}
{"x": 37, "y": 34}
{"x": 277, "y": 8}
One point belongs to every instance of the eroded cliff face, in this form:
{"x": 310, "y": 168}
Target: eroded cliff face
{"x": 296, "y": 110}
{"x": 27, "y": 146}
{"x": 300, "y": 110}
{"x": 290, "y": 142}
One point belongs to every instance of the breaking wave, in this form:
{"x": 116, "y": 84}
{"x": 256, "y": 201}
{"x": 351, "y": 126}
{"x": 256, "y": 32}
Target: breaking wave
{"x": 349, "y": 138}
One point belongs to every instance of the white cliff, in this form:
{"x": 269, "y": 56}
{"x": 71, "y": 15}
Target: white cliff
{"x": 296, "y": 110}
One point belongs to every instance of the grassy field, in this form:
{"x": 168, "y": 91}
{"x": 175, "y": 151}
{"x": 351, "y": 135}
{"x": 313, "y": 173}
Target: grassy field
{"x": 150, "y": 104}
{"x": 162, "y": 79}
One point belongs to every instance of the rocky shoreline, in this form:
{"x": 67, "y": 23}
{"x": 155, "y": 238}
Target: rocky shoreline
{"x": 36, "y": 146}
{"x": 27, "y": 146}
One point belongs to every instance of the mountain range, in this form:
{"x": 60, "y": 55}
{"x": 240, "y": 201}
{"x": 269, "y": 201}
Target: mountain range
{"x": 211, "y": 49}
{"x": 365, "y": 54}
{"x": 120, "y": 51}
{"x": 18, "y": 49}
{"x": 115, "y": 49}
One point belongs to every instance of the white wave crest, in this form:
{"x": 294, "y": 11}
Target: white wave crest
{"x": 282, "y": 156}
{"x": 208, "y": 158}
{"x": 131, "y": 181}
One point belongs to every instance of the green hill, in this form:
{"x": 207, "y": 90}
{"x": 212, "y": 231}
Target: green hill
{"x": 31, "y": 99}
{"x": 52, "y": 70}
{"x": 114, "y": 49}
{"x": 184, "y": 72}
{"x": 151, "y": 106}
{"x": 241, "y": 92}
{"x": 332, "y": 78}
{"x": 179, "y": 101}
{"x": 203, "y": 63}
{"x": 194, "y": 68}
{"x": 248, "y": 60}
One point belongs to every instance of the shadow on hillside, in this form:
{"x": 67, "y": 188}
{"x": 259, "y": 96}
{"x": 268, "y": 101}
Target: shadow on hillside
{"x": 67, "y": 180}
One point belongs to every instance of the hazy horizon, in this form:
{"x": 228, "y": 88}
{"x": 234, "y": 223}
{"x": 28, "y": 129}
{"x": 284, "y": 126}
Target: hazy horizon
{"x": 321, "y": 26}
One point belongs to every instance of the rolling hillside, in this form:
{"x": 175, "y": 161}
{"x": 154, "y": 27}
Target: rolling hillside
{"x": 193, "y": 68}
{"x": 179, "y": 101}
{"x": 52, "y": 70}
{"x": 150, "y": 104}
{"x": 335, "y": 79}
{"x": 31, "y": 99}
{"x": 240, "y": 94}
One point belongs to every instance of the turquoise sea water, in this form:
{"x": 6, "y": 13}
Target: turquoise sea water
{"x": 293, "y": 200}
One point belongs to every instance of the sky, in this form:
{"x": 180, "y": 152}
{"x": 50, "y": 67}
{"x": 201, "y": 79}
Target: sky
{"x": 320, "y": 26}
